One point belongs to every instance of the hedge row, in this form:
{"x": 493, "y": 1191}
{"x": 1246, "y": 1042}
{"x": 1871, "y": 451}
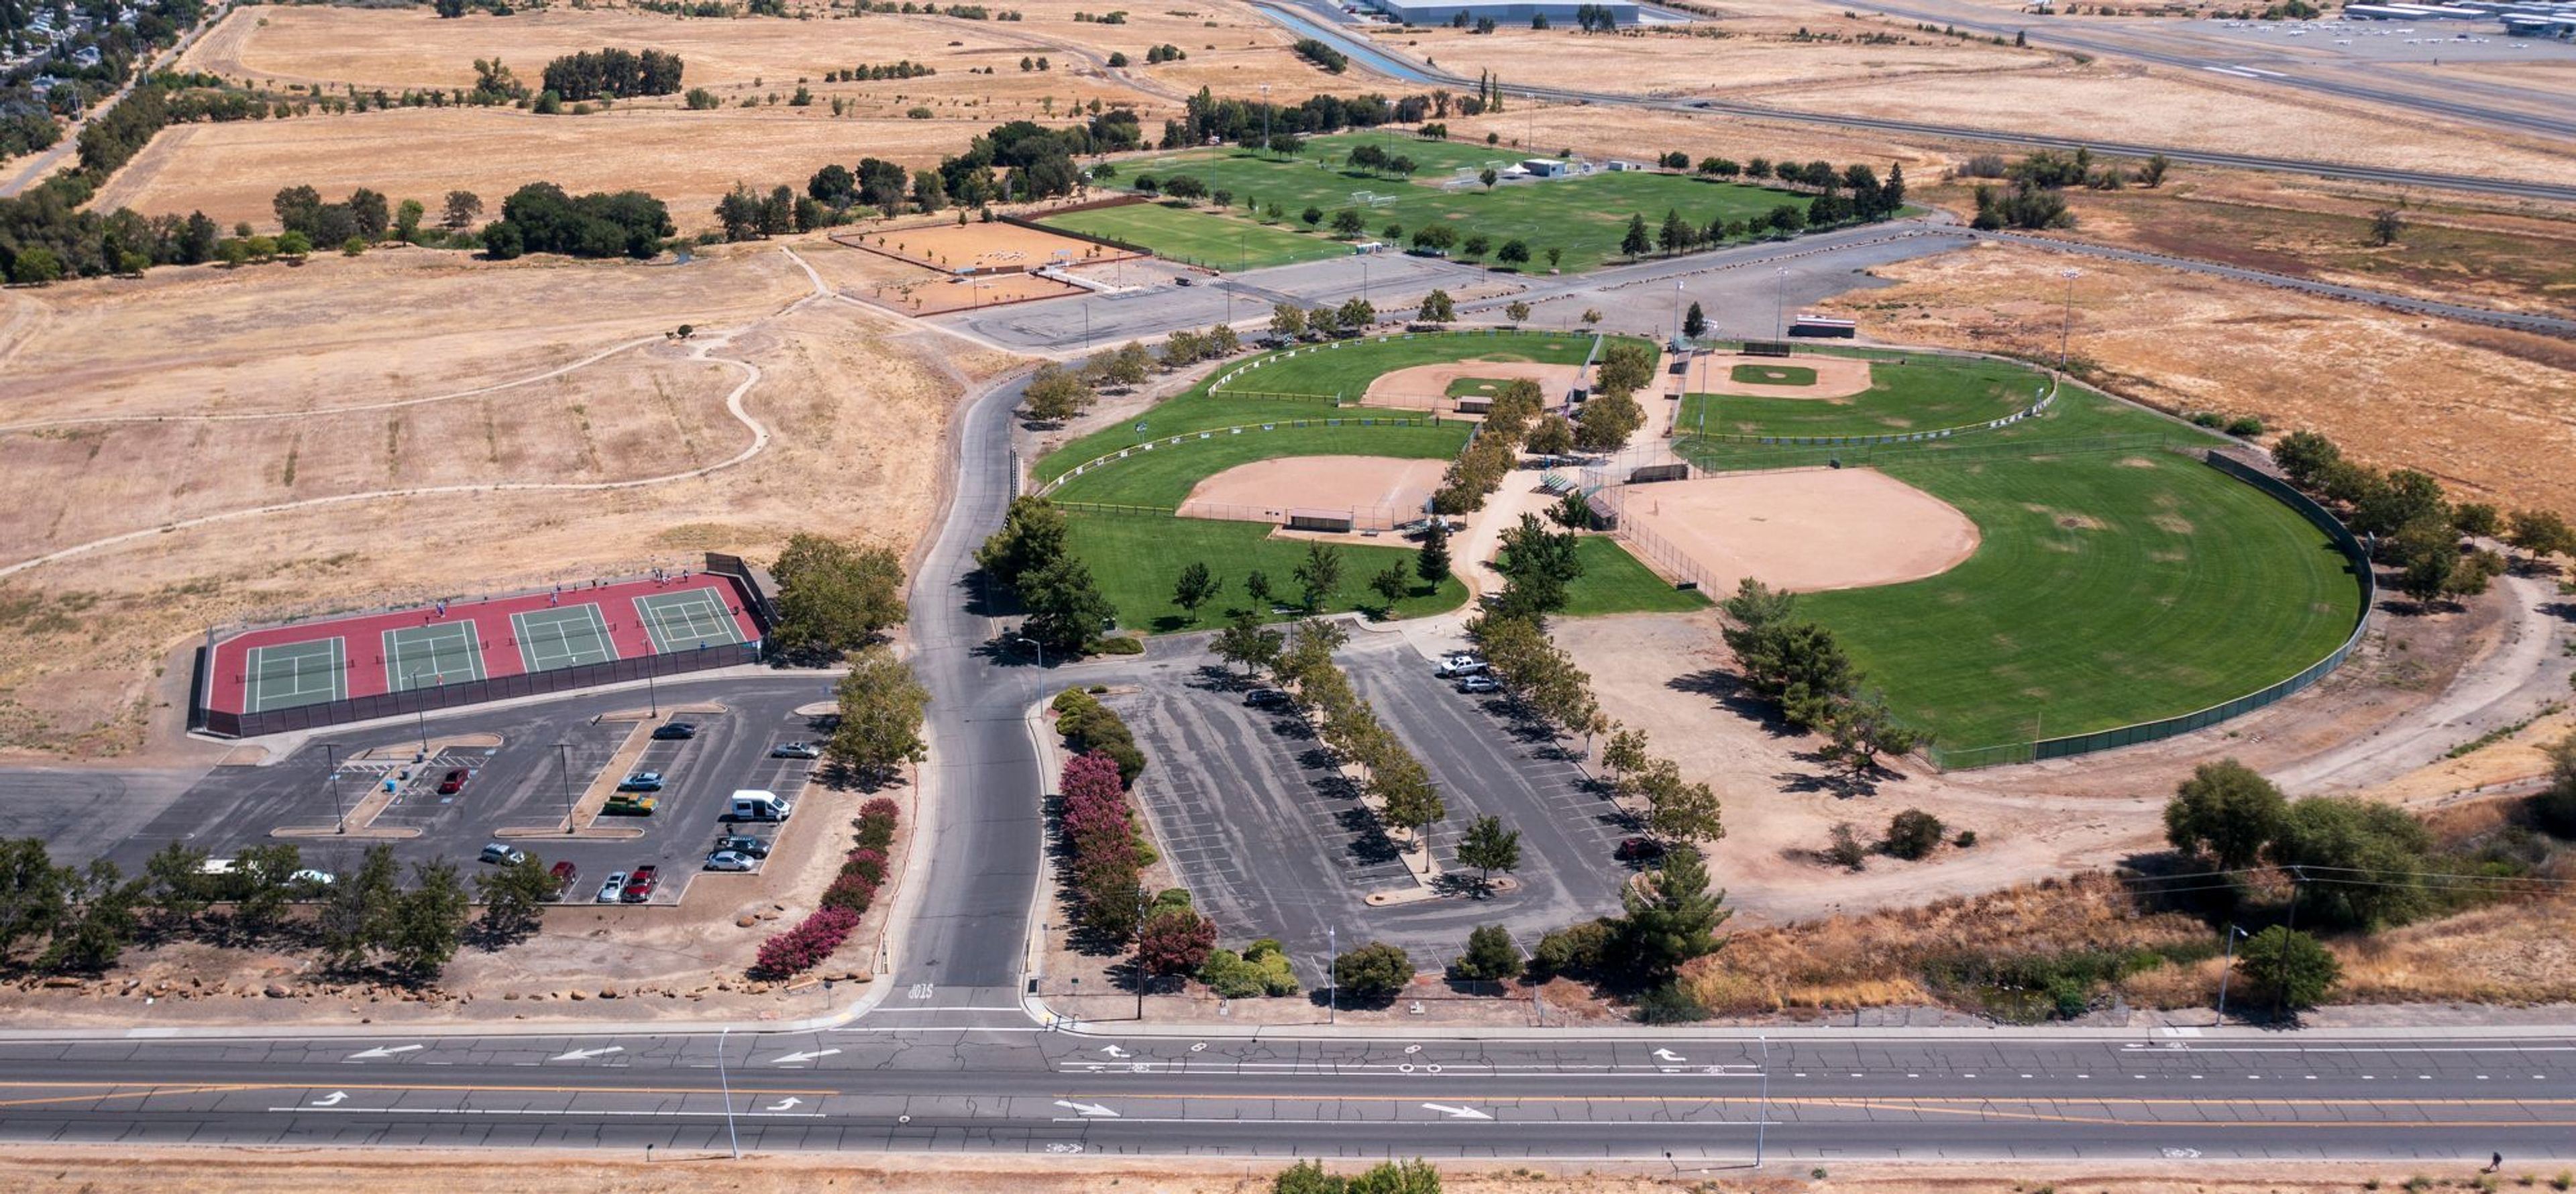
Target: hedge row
{"x": 1100, "y": 838}
{"x": 1090, "y": 727}
{"x": 804, "y": 947}
{"x": 863, "y": 871}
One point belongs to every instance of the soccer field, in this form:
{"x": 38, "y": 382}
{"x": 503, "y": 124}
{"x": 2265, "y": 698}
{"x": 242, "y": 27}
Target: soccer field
{"x": 1584, "y": 217}
{"x": 1199, "y": 237}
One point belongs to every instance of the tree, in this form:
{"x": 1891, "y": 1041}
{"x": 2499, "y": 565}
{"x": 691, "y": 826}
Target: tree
{"x": 1605, "y": 423}
{"x": 1516, "y": 310}
{"x": 1391, "y": 584}
{"x": 833, "y": 597}
{"x": 2286, "y": 969}
{"x": 1625, "y": 752}
{"x": 1409, "y": 801}
{"x": 1436, "y": 308}
{"x": 460, "y": 212}
{"x": 514, "y": 894}
{"x": 2363, "y": 860}
{"x": 2386, "y": 225}
{"x": 1256, "y": 585}
{"x": 1174, "y": 939}
{"x": 1196, "y": 587}
{"x": 359, "y": 915}
{"x": 2555, "y": 806}
{"x": 1670, "y": 919}
{"x": 263, "y": 882}
{"x": 1573, "y": 511}
{"x": 1246, "y": 641}
{"x": 1066, "y": 610}
{"x": 1287, "y": 321}
{"x": 1551, "y": 435}
{"x": 1676, "y": 810}
{"x": 1554, "y": 255}
{"x": 428, "y": 922}
{"x": 1635, "y": 243}
{"x": 1676, "y": 233}
{"x": 1694, "y": 321}
{"x": 2404, "y": 496}
{"x": 176, "y": 885}
{"x": 1626, "y": 367}
{"x": 407, "y": 218}
{"x": 2152, "y": 174}
{"x": 1374, "y": 972}
{"x": 1056, "y": 393}
{"x": 372, "y": 214}
{"x": 1356, "y": 313}
{"x": 881, "y": 708}
{"x": 1319, "y": 574}
{"x": 1913, "y": 834}
{"x": 2540, "y": 532}
{"x": 1432, "y": 562}
{"x": 1489, "y": 847}
{"x": 835, "y": 185}
{"x": 1032, "y": 537}
{"x": 1349, "y": 222}
{"x": 1490, "y": 956}
{"x": 2304, "y": 456}
{"x": 1312, "y": 216}
{"x": 99, "y": 924}
{"x": 2477, "y": 519}
{"x": 1861, "y": 729}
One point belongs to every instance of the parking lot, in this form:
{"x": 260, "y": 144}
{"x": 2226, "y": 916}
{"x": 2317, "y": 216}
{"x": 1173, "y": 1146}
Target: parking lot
{"x": 547, "y": 757}
{"x": 1273, "y": 841}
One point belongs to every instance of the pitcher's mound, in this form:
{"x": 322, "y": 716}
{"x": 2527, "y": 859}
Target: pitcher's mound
{"x": 1803, "y": 531}
{"x": 1377, "y": 491}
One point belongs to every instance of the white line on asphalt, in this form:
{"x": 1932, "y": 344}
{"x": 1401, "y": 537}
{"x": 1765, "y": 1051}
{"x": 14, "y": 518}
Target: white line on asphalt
{"x": 537, "y": 1111}
{"x": 1593, "y": 1126}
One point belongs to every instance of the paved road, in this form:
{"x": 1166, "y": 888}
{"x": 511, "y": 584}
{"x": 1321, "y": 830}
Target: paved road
{"x": 42, "y": 164}
{"x": 1299, "y": 17}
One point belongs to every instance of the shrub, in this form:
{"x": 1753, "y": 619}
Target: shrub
{"x": 1913, "y": 834}
{"x": 1254, "y": 972}
{"x": 2245, "y": 427}
{"x": 1967, "y": 839}
{"x": 1175, "y": 940}
{"x": 851, "y": 890}
{"x": 1670, "y": 1003}
{"x": 804, "y": 947}
{"x": 864, "y": 861}
{"x": 1573, "y": 951}
{"x": 876, "y": 824}
{"x": 1120, "y": 644}
{"x": 1845, "y": 850}
{"x": 1374, "y": 971}
{"x": 1490, "y": 956}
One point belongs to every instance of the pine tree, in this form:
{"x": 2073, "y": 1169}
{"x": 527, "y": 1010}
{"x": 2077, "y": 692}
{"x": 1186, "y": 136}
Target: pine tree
{"x": 1670, "y": 920}
{"x": 1432, "y": 562}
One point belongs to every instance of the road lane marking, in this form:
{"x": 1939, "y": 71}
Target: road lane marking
{"x": 119, "y": 1094}
{"x": 1456, "y": 1112}
{"x": 382, "y": 1051}
{"x": 559, "y": 1113}
{"x": 801, "y": 1058}
{"x": 333, "y": 1099}
{"x": 1086, "y": 1110}
{"x": 587, "y": 1054}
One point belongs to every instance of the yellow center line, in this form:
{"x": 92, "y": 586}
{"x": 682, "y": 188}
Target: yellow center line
{"x": 1843, "y": 1100}
{"x": 121, "y": 1094}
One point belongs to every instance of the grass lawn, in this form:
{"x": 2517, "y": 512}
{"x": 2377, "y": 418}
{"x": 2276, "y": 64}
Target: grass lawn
{"x": 1585, "y": 217}
{"x": 1476, "y": 387}
{"x": 1614, "y": 582}
{"x": 1199, "y": 236}
{"x": 1137, "y": 558}
{"x": 1772, "y": 375}
{"x": 1162, "y": 478}
{"x": 1346, "y": 368}
{"x": 1925, "y": 393}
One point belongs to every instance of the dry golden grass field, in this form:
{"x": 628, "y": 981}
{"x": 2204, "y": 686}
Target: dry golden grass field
{"x": 1715, "y": 58}
{"x": 854, "y": 403}
{"x": 2492, "y": 412}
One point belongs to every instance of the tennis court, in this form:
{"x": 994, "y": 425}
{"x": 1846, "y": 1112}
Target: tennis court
{"x": 568, "y": 636}
{"x": 291, "y": 674}
{"x": 687, "y": 620}
{"x": 432, "y": 656}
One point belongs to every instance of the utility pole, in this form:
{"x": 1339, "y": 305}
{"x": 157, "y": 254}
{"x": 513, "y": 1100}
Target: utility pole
{"x": 2066, "y": 330}
{"x": 1779, "y": 282}
{"x": 1332, "y": 974}
{"x": 651, "y": 695}
{"x": 420, "y": 713}
{"x": 1762, "y": 1118}
{"x": 1265, "y": 118}
{"x": 563, "y": 767}
{"x": 1144, "y": 900}
{"x": 1677, "y": 315}
{"x": 339, "y": 811}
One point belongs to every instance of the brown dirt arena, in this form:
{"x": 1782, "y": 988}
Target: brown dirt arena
{"x": 1836, "y": 377}
{"x": 1803, "y": 530}
{"x": 1426, "y": 387}
{"x": 995, "y": 247}
{"x": 1377, "y": 490}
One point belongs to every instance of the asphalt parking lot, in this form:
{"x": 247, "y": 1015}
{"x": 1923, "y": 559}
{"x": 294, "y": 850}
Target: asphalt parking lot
{"x": 548, "y": 754}
{"x": 1273, "y": 842}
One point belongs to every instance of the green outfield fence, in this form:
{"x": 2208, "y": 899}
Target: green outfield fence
{"x": 2149, "y": 731}
{"x": 1711, "y": 458}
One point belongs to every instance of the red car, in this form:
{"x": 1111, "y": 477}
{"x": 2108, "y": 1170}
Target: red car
{"x": 1640, "y": 849}
{"x": 454, "y": 781}
{"x": 640, "y": 885}
{"x": 565, "y": 875}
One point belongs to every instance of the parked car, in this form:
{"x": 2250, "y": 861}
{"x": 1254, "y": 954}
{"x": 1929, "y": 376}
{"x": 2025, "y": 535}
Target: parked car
{"x": 564, "y": 875}
{"x": 641, "y": 781}
{"x": 1415, "y": 529}
{"x": 630, "y": 804}
{"x": 309, "y": 877}
{"x": 454, "y": 781}
{"x": 1475, "y": 685}
{"x": 1265, "y": 698}
{"x": 503, "y": 853}
{"x": 1453, "y": 669}
{"x": 640, "y": 885}
{"x": 728, "y": 860}
{"x": 795, "y": 750}
{"x": 741, "y": 843}
{"x": 611, "y": 891}
{"x": 1639, "y": 849}
{"x": 1185, "y": 280}
{"x": 675, "y": 731}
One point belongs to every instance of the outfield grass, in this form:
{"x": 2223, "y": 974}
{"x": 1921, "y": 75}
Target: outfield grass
{"x": 1199, "y": 236}
{"x": 1347, "y": 368}
{"x": 1585, "y": 217}
{"x": 1926, "y": 393}
{"x": 1614, "y": 582}
{"x": 2114, "y": 581}
{"x": 1772, "y": 375}
{"x": 1162, "y": 479}
{"x": 1137, "y": 558}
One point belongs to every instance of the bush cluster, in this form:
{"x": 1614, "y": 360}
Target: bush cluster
{"x": 804, "y": 947}
{"x": 1090, "y": 727}
{"x": 1101, "y": 844}
{"x": 1261, "y": 969}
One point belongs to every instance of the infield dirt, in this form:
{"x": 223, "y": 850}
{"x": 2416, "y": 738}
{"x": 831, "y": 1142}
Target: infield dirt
{"x": 1802, "y": 530}
{"x": 1267, "y": 490}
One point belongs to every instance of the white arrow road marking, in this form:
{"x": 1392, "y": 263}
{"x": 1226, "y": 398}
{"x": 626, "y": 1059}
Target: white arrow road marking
{"x": 333, "y": 1099}
{"x": 786, "y": 1104}
{"x": 1113, "y": 1050}
{"x": 382, "y": 1051}
{"x": 1669, "y": 1055}
{"x": 1456, "y": 1112}
{"x": 1087, "y": 1109}
{"x": 793, "y": 1058}
{"x": 587, "y": 1054}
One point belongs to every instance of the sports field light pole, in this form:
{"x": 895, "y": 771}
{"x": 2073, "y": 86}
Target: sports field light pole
{"x": 1779, "y": 281}
{"x": 2066, "y": 329}
{"x": 563, "y": 767}
{"x": 1265, "y": 118}
{"x": 1677, "y": 314}
{"x": 411, "y": 683}
{"x": 339, "y": 811}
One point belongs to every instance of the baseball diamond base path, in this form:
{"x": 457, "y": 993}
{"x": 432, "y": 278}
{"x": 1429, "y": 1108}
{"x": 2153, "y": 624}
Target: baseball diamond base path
{"x": 1836, "y": 377}
{"x": 1369, "y": 487}
{"x": 1804, "y": 530}
{"x": 1427, "y": 386}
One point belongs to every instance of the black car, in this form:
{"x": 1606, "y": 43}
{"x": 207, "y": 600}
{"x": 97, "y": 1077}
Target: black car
{"x": 755, "y": 847}
{"x": 1265, "y": 698}
{"x": 675, "y": 730}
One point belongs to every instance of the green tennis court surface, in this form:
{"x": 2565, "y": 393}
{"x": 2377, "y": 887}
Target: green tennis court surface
{"x": 292, "y": 674}
{"x": 569, "y": 636}
{"x": 432, "y": 655}
{"x": 686, "y": 621}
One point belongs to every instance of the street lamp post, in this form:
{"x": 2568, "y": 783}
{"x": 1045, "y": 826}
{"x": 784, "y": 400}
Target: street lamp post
{"x": 419, "y": 712}
{"x": 726, "y": 1081}
{"x": 2066, "y": 329}
{"x": 1779, "y": 282}
{"x": 563, "y": 767}
{"x": 1762, "y": 1118}
{"x": 2226, "y": 969}
{"x": 652, "y": 696}
{"x": 339, "y": 811}
{"x": 1332, "y": 974}
{"x": 1265, "y": 118}
{"x": 1034, "y": 645}
{"x": 1677, "y": 314}
{"x": 1144, "y": 900}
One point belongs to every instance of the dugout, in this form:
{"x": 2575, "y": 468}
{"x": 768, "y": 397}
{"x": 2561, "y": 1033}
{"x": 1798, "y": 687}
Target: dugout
{"x": 1319, "y": 520}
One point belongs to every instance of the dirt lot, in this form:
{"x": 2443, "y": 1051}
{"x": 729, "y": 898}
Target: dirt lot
{"x": 2491, "y": 412}
{"x": 85, "y": 638}
{"x": 1715, "y": 58}
{"x": 1804, "y": 530}
{"x": 1265, "y": 490}
{"x": 982, "y": 246}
